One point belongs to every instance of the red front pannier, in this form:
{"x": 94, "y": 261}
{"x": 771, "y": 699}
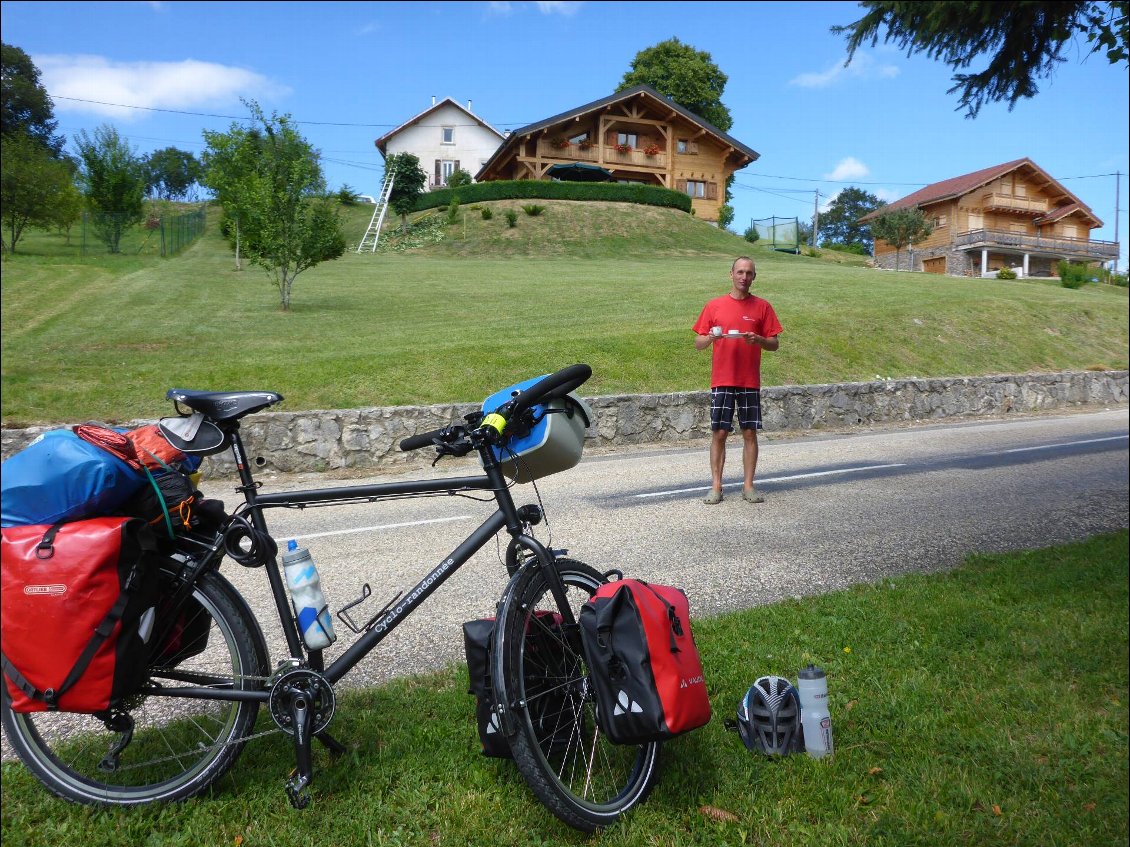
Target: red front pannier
{"x": 643, "y": 663}
{"x": 76, "y": 611}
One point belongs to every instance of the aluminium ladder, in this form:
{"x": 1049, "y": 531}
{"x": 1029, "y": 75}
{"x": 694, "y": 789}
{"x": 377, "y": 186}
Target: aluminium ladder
{"x": 374, "y": 230}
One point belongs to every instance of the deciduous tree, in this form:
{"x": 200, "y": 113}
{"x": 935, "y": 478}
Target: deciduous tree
{"x": 289, "y": 224}
{"x": 113, "y": 181}
{"x": 25, "y": 107}
{"x": 229, "y": 163}
{"x": 171, "y": 173}
{"x": 900, "y": 227}
{"x": 1023, "y": 42}
{"x": 36, "y": 189}
{"x": 409, "y": 180}
{"x": 839, "y": 223}
{"x": 686, "y": 75}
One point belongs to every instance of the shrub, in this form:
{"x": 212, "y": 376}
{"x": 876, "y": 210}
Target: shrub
{"x": 486, "y": 213}
{"x": 750, "y": 234}
{"x": 458, "y": 178}
{"x": 511, "y": 218}
{"x": 347, "y": 196}
{"x": 453, "y": 210}
{"x": 534, "y": 189}
{"x": 1073, "y": 274}
{"x": 1006, "y": 273}
{"x": 533, "y": 210}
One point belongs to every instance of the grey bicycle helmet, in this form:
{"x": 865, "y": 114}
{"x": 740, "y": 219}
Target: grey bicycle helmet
{"x": 769, "y": 717}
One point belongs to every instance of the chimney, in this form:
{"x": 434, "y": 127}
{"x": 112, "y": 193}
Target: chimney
{"x": 468, "y": 105}
{"x": 433, "y": 99}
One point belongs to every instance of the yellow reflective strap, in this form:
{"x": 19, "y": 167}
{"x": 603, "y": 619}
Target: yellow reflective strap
{"x": 495, "y": 421}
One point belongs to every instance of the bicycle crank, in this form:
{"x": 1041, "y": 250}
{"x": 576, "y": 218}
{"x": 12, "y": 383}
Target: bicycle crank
{"x": 302, "y": 704}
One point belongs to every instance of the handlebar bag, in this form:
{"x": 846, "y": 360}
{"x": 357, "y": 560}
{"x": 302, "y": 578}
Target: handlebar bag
{"x": 644, "y": 666}
{"x": 552, "y": 442}
{"x": 76, "y": 612}
{"x": 546, "y": 698}
{"x": 62, "y": 477}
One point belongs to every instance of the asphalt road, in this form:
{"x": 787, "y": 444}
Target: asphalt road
{"x": 841, "y": 509}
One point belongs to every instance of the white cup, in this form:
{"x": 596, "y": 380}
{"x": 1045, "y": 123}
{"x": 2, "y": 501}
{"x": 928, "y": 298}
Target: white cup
{"x": 716, "y": 331}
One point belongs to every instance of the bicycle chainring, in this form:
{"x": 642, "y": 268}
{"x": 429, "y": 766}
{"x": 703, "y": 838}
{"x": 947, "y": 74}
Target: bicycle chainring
{"x": 307, "y": 684}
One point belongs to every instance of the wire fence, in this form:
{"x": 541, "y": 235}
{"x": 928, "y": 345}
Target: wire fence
{"x": 109, "y": 233}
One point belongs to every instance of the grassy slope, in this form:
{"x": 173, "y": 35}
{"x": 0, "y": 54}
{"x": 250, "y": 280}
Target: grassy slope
{"x": 613, "y": 285}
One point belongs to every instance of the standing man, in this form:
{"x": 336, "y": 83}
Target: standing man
{"x": 738, "y": 326}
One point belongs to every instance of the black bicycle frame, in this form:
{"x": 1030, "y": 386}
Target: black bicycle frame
{"x": 505, "y": 517}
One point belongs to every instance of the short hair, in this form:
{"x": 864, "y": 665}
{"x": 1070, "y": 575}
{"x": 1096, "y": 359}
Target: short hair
{"x": 743, "y": 258}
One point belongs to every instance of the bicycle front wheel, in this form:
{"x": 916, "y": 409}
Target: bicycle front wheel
{"x": 156, "y": 747}
{"x": 568, "y": 762}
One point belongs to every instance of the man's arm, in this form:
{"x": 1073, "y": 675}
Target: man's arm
{"x": 701, "y": 342}
{"x": 766, "y": 342}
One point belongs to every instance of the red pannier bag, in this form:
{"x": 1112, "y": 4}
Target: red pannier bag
{"x": 76, "y": 610}
{"x": 644, "y": 666}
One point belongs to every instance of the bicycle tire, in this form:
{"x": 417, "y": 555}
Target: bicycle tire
{"x": 179, "y": 746}
{"x": 571, "y": 766}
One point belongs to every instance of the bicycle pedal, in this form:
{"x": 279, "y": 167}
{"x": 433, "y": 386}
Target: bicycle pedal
{"x": 297, "y": 790}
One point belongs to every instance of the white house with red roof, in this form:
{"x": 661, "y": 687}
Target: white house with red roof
{"x": 445, "y": 137}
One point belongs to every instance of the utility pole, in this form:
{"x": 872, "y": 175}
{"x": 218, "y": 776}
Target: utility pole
{"x": 816, "y": 216}
{"x": 1117, "y": 194}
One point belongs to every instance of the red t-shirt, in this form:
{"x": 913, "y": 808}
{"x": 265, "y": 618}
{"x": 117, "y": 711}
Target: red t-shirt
{"x": 736, "y": 363}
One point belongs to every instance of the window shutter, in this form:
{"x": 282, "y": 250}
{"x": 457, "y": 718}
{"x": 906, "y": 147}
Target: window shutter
{"x": 611, "y": 137}
{"x": 439, "y": 174}
{"x": 711, "y": 191}
{"x": 456, "y": 164}
{"x": 681, "y": 185}
{"x": 692, "y": 146}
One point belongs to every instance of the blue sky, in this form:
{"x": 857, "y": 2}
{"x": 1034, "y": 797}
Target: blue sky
{"x": 349, "y": 72}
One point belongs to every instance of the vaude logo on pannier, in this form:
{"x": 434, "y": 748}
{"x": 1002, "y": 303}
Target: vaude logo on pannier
{"x": 694, "y": 680}
{"x": 625, "y": 704}
{"x": 56, "y": 590}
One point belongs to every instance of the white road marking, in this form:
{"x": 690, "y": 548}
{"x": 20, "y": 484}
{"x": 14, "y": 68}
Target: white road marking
{"x": 1066, "y": 444}
{"x": 764, "y": 480}
{"x": 379, "y": 528}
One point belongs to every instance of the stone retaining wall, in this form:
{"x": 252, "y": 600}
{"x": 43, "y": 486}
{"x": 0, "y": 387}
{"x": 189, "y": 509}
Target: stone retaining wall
{"x": 367, "y": 438}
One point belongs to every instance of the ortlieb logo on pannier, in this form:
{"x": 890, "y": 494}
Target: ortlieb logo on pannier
{"x": 76, "y": 611}
{"x": 643, "y": 663}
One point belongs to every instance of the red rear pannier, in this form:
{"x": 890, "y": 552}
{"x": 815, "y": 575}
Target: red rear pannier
{"x": 643, "y": 663}
{"x": 76, "y": 611}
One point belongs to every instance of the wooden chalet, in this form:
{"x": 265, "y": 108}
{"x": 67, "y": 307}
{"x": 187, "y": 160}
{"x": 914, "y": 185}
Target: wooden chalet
{"x": 1012, "y": 215}
{"x": 636, "y": 135}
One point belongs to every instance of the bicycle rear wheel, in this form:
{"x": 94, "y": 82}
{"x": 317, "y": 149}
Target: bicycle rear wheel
{"x": 178, "y": 746}
{"x": 572, "y": 767}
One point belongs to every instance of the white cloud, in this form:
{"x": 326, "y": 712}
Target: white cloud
{"x": 847, "y": 169}
{"x": 156, "y": 85}
{"x": 499, "y": 7}
{"x": 559, "y": 8}
{"x": 889, "y": 195}
{"x": 863, "y": 66}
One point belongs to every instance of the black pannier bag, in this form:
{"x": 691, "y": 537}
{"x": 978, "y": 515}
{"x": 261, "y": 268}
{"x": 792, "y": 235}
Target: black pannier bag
{"x": 643, "y": 663}
{"x": 183, "y": 637}
{"x": 77, "y": 609}
{"x": 549, "y": 703}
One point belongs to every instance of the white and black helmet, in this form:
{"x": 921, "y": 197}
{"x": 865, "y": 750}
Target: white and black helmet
{"x": 769, "y": 717}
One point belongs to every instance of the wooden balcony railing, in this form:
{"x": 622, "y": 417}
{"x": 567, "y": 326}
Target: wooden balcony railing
{"x": 1068, "y": 248}
{"x": 1011, "y": 203}
{"x": 575, "y": 153}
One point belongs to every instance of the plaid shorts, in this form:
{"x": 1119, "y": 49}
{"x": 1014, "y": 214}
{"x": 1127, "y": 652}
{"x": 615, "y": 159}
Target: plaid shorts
{"x": 724, "y": 400}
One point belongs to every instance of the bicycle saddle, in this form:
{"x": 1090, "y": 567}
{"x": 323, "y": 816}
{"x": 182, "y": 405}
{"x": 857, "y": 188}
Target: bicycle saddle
{"x": 224, "y": 405}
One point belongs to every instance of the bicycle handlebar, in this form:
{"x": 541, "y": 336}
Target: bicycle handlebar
{"x": 549, "y": 388}
{"x": 423, "y": 439}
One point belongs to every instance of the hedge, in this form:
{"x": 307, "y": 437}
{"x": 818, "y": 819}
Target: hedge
{"x": 521, "y": 189}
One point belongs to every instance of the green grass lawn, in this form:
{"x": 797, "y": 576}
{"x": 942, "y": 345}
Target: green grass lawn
{"x": 613, "y": 285}
{"x": 984, "y": 706}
